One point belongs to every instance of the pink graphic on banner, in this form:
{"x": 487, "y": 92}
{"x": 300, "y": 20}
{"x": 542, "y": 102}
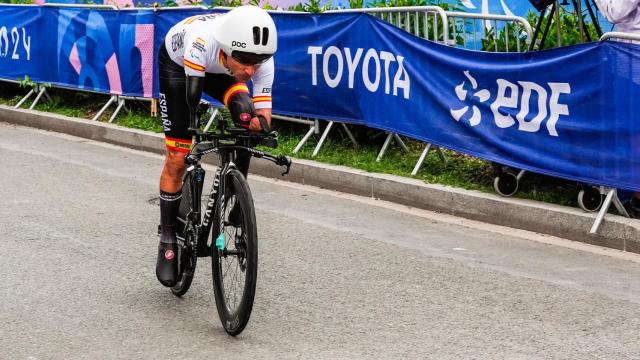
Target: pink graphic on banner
{"x": 113, "y": 73}
{"x": 144, "y": 42}
{"x": 74, "y": 59}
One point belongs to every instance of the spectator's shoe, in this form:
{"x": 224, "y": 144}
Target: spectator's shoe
{"x": 633, "y": 207}
{"x": 167, "y": 263}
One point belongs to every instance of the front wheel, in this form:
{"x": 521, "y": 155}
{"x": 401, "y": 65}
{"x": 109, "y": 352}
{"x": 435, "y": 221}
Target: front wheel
{"x": 235, "y": 254}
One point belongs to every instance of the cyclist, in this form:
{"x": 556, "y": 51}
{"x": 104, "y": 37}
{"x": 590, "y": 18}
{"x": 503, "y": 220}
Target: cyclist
{"x": 217, "y": 54}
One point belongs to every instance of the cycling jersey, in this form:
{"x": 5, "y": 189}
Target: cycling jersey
{"x": 191, "y": 44}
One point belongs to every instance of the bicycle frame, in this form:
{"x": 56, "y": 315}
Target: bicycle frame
{"x": 195, "y": 174}
{"x": 202, "y": 222}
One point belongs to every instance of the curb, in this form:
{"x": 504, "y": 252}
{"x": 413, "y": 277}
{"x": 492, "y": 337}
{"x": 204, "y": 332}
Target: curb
{"x": 616, "y": 232}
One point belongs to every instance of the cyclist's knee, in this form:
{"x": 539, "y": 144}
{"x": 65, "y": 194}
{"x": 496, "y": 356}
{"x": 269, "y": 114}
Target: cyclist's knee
{"x": 174, "y": 163}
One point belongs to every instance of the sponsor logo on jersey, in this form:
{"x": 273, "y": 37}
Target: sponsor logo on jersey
{"x": 177, "y": 40}
{"x": 166, "y": 123}
{"x": 198, "y": 46}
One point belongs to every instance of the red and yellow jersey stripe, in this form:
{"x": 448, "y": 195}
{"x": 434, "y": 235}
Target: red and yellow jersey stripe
{"x": 233, "y": 90}
{"x": 257, "y": 99}
{"x": 194, "y": 66}
{"x": 178, "y": 144}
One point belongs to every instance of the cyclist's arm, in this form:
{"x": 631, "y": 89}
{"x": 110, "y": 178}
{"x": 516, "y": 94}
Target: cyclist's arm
{"x": 195, "y": 85}
{"x": 262, "y": 86}
{"x": 195, "y": 53}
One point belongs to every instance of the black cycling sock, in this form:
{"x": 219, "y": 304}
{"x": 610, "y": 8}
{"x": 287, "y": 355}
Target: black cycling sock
{"x": 169, "y": 205}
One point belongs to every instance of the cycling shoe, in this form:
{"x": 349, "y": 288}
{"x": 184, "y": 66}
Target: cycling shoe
{"x": 167, "y": 264}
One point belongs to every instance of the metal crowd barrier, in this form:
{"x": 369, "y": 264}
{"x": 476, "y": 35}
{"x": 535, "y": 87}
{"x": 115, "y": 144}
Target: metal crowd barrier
{"x": 483, "y": 24}
{"x": 458, "y": 27}
{"x": 115, "y": 99}
{"x": 448, "y": 27}
{"x": 427, "y": 22}
{"x": 471, "y": 29}
{"x": 611, "y": 194}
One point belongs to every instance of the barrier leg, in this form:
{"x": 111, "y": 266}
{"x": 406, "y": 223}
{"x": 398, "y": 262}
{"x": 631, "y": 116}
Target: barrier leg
{"x": 603, "y": 210}
{"x": 401, "y": 143}
{"x": 105, "y": 107}
{"x": 306, "y": 137}
{"x": 211, "y": 119}
{"x": 387, "y": 141}
{"x": 25, "y": 98}
{"x": 441, "y": 154}
{"x": 323, "y": 138}
{"x": 619, "y": 206}
{"x": 118, "y": 108}
{"x": 46, "y": 94}
{"x": 35, "y": 102}
{"x": 350, "y": 135}
{"x": 418, "y": 165}
{"x": 423, "y": 156}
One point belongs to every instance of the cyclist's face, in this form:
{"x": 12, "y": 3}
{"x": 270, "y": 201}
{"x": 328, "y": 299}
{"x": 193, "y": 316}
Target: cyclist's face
{"x": 241, "y": 71}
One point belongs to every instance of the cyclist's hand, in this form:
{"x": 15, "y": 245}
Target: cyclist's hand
{"x": 256, "y": 126}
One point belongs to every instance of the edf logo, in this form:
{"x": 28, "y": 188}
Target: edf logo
{"x": 515, "y": 96}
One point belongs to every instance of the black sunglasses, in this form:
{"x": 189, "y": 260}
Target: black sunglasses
{"x": 247, "y": 58}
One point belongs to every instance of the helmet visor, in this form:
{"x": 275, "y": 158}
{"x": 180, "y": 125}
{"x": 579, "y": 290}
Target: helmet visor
{"x": 247, "y": 58}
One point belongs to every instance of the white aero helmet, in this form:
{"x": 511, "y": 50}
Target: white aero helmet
{"x": 248, "y": 34}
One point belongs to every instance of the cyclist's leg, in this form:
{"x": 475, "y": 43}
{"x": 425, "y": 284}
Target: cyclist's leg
{"x": 235, "y": 96}
{"x": 174, "y": 110}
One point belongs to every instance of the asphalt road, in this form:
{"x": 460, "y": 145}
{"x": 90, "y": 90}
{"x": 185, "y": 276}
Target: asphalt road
{"x": 340, "y": 277}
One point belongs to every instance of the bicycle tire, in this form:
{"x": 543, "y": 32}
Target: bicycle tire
{"x": 234, "y": 314}
{"x": 187, "y": 261}
{"x": 187, "y": 266}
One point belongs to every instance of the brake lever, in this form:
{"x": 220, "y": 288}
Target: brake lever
{"x": 284, "y": 161}
{"x": 264, "y": 124}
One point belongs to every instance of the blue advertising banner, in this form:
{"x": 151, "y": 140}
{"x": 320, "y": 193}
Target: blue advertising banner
{"x": 565, "y": 112}
{"x": 20, "y": 34}
{"x": 107, "y": 50}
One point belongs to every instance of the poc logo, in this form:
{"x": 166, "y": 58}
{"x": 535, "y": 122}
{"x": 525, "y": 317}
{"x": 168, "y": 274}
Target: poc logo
{"x": 516, "y": 96}
{"x": 238, "y": 44}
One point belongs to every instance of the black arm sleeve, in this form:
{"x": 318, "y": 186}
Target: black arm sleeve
{"x": 195, "y": 85}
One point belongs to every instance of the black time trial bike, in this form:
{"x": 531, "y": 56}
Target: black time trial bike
{"x": 224, "y": 225}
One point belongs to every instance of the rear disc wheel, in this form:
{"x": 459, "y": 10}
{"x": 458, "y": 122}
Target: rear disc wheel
{"x": 186, "y": 263}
